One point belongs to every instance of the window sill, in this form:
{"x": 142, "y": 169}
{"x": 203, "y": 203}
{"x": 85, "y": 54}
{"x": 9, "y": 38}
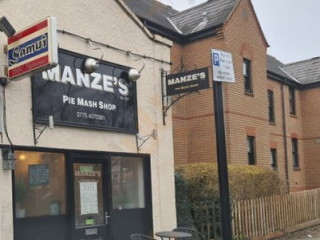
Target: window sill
{"x": 249, "y": 93}
{"x": 296, "y": 168}
{"x": 293, "y": 115}
{"x": 272, "y": 123}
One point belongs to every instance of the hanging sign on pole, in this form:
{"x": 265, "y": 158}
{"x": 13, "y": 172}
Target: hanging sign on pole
{"x": 33, "y": 49}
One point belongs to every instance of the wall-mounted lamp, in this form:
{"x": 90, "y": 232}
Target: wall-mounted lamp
{"x": 9, "y": 159}
{"x": 90, "y": 64}
{"x": 6, "y": 27}
{"x": 133, "y": 73}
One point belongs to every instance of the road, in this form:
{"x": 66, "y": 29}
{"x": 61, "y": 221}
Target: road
{"x": 305, "y": 234}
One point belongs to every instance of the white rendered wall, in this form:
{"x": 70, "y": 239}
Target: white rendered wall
{"x": 105, "y": 22}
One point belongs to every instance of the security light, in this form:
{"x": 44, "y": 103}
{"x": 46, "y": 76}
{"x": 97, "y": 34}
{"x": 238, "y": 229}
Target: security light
{"x": 90, "y": 64}
{"x": 133, "y": 73}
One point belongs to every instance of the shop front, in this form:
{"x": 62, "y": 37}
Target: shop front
{"x": 68, "y": 194}
{"x": 93, "y": 159}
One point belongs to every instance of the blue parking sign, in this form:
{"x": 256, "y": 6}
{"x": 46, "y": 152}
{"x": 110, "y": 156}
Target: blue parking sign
{"x": 216, "y": 61}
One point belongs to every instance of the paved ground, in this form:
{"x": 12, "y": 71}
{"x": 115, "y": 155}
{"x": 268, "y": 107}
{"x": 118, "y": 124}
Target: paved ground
{"x": 306, "y": 234}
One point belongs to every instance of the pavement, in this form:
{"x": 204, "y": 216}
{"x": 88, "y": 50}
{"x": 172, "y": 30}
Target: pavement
{"x": 305, "y": 234}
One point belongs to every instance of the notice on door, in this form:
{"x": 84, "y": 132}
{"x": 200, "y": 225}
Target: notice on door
{"x": 88, "y": 198}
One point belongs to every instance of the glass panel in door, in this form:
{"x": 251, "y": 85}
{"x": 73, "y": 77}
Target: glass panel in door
{"x": 89, "y": 213}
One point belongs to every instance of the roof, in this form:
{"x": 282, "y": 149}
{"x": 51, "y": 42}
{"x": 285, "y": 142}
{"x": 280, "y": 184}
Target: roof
{"x": 153, "y": 11}
{"x": 276, "y": 67}
{"x": 206, "y": 15}
{"x": 307, "y": 71}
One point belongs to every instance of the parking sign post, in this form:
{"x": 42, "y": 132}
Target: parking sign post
{"x": 222, "y": 67}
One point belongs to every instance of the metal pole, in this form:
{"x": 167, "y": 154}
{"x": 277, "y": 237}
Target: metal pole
{"x": 222, "y": 162}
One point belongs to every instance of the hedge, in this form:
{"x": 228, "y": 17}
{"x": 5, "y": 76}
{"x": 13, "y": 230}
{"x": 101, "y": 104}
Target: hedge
{"x": 197, "y": 188}
{"x": 245, "y": 182}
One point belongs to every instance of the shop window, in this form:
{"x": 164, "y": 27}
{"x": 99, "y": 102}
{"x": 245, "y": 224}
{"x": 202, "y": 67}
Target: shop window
{"x": 295, "y": 157}
{"x": 39, "y": 184}
{"x": 273, "y": 158}
{"x": 292, "y": 101}
{"x": 251, "y": 150}
{"x": 271, "y": 106}
{"x": 247, "y": 75}
{"x": 128, "y": 188}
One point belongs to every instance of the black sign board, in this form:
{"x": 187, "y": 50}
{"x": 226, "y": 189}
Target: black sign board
{"x": 104, "y": 99}
{"x": 187, "y": 81}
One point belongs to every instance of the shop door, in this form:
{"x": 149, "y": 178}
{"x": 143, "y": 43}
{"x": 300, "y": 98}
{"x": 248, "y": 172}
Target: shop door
{"x": 111, "y": 197}
{"x": 91, "y": 202}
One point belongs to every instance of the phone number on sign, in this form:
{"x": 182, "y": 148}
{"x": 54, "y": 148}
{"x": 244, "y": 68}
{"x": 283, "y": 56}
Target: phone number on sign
{"x": 91, "y": 116}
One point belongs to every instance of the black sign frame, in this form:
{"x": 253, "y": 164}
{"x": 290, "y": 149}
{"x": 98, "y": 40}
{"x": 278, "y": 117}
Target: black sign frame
{"x": 47, "y": 96}
{"x": 190, "y": 81}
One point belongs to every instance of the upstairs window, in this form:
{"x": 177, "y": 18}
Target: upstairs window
{"x": 247, "y": 75}
{"x": 295, "y": 157}
{"x": 251, "y": 150}
{"x": 273, "y": 158}
{"x": 292, "y": 101}
{"x": 271, "y": 106}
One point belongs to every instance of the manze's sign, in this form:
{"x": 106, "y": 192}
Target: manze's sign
{"x": 104, "y": 99}
{"x": 187, "y": 81}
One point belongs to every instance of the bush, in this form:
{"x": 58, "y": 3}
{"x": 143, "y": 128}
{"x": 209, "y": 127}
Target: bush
{"x": 197, "y": 192}
{"x": 245, "y": 182}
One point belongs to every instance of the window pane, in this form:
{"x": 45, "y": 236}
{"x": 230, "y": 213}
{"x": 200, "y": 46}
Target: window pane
{"x": 273, "y": 157}
{"x": 245, "y": 69}
{"x": 39, "y": 184}
{"x": 295, "y": 153}
{"x": 247, "y": 75}
{"x": 127, "y": 183}
{"x": 271, "y": 106}
{"x": 292, "y": 101}
{"x": 251, "y": 150}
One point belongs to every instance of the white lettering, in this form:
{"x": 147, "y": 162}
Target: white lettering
{"x": 69, "y": 100}
{"x": 123, "y": 90}
{"x": 82, "y": 79}
{"x": 67, "y": 76}
{"x": 108, "y": 83}
{"x": 107, "y": 106}
{"x": 52, "y": 74}
{"x": 96, "y": 81}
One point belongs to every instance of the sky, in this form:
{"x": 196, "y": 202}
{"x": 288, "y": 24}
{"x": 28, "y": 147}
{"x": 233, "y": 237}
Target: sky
{"x": 291, "y": 27}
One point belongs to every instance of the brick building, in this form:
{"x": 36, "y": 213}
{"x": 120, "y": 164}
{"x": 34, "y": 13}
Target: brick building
{"x": 270, "y": 117}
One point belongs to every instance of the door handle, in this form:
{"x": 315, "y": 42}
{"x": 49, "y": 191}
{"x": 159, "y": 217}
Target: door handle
{"x": 106, "y": 217}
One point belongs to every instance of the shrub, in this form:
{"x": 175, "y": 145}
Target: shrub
{"x": 197, "y": 192}
{"x": 245, "y": 182}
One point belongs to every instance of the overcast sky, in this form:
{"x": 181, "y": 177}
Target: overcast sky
{"x": 291, "y": 27}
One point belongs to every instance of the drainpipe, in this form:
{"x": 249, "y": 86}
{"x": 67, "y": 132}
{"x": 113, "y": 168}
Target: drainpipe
{"x": 284, "y": 128}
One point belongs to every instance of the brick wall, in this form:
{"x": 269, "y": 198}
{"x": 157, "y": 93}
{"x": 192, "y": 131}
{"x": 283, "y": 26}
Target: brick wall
{"x": 311, "y": 135}
{"x": 245, "y": 114}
